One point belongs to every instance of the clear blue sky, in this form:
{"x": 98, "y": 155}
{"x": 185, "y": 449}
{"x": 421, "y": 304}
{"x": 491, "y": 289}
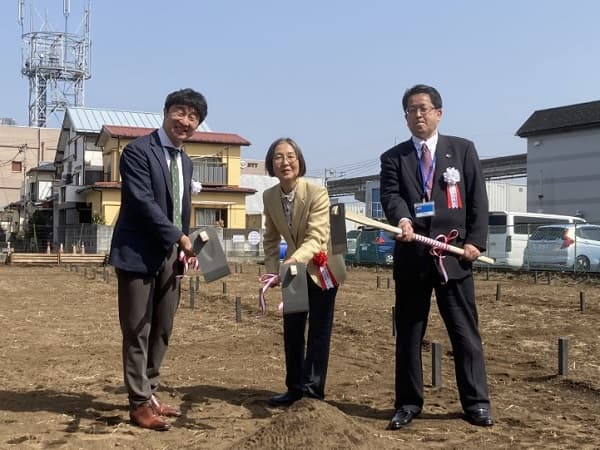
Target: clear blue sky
{"x": 331, "y": 73}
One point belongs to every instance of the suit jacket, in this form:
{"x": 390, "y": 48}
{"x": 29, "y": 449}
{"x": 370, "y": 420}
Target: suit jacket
{"x": 144, "y": 231}
{"x": 401, "y": 188}
{"x": 310, "y": 230}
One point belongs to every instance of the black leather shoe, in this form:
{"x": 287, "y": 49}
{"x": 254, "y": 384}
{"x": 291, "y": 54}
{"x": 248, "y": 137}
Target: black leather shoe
{"x": 480, "y": 417}
{"x": 285, "y": 399}
{"x": 401, "y": 418}
{"x": 309, "y": 392}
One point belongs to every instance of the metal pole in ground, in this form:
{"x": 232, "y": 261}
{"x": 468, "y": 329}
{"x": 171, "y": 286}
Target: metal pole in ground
{"x": 436, "y": 364}
{"x": 563, "y": 356}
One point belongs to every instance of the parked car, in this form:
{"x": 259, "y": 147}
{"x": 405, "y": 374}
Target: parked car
{"x": 372, "y": 246}
{"x": 351, "y": 244}
{"x": 510, "y": 231}
{"x": 564, "y": 246}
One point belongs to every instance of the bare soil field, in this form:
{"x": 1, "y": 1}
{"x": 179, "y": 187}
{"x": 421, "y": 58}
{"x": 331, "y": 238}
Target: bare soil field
{"x": 61, "y": 381}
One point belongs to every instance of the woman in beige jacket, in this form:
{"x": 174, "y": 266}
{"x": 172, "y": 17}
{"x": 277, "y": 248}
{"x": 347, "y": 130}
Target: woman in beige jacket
{"x": 299, "y": 212}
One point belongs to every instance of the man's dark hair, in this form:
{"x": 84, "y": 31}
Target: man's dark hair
{"x": 434, "y": 95}
{"x": 188, "y": 97}
{"x": 297, "y": 150}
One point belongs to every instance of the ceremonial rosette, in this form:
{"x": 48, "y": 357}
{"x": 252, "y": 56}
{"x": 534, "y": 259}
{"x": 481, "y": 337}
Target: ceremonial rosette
{"x": 196, "y": 187}
{"x": 326, "y": 277}
{"x": 452, "y": 177}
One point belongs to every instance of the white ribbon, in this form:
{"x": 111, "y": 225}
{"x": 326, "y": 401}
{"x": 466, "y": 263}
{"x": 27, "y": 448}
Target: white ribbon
{"x": 196, "y": 187}
{"x": 326, "y": 277}
{"x": 268, "y": 280}
{"x": 451, "y": 175}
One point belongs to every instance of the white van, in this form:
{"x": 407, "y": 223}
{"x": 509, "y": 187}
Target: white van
{"x": 509, "y": 233}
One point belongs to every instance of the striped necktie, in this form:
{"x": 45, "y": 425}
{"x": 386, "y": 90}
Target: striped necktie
{"x": 426, "y": 164}
{"x": 174, "y": 168}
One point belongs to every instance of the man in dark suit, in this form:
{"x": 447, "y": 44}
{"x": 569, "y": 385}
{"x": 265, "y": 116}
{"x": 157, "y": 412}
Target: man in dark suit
{"x": 151, "y": 230}
{"x": 432, "y": 184}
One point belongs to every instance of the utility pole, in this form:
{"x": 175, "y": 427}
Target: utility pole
{"x": 331, "y": 173}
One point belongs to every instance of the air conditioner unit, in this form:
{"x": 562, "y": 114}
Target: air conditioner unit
{"x": 243, "y": 164}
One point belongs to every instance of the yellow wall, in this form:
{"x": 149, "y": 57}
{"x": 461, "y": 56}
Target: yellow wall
{"x": 234, "y": 203}
{"x": 105, "y": 202}
{"x": 111, "y": 205}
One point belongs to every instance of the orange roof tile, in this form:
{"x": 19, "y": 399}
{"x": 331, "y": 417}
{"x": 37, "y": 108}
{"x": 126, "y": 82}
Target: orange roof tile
{"x": 208, "y": 137}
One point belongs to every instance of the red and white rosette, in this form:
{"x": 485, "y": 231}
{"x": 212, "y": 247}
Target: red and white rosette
{"x": 452, "y": 177}
{"x": 326, "y": 277}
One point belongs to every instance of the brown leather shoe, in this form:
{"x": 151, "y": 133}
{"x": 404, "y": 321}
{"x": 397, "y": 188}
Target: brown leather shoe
{"x": 145, "y": 417}
{"x": 164, "y": 410}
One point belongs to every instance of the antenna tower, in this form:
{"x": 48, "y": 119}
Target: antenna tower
{"x": 56, "y": 63}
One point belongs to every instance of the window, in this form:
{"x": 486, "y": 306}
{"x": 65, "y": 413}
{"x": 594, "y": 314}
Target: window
{"x": 90, "y": 144}
{"x": 210, "y": 171}
{"x": 33, "y": 192}
{"x": 17, "y": 166}
{"x": 588, "y": 233}
{"x": 210, "y": 217}
{"x": 497, "y": 223}
{"x": 548, "y": 234}
{"x": 526, "y": 225}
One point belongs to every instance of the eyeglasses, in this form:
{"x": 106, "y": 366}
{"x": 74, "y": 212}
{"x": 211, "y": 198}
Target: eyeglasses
{"x": 424, "y": 110}
{"x": 180, "y": 114}
{"x": 290, "y": 157}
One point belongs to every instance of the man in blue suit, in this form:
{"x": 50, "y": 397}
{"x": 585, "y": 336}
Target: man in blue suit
{"x": 152, "y": 228}
{"x": 432, "y": 184}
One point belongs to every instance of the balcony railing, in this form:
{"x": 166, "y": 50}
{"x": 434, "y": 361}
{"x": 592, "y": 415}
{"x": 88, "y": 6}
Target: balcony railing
{"x": 210, "y": 171}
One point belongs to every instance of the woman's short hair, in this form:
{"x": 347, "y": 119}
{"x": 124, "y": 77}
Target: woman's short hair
{"x": 297, "y": 150}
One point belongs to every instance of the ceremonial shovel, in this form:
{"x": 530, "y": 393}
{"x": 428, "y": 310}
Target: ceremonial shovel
{"x": 364, "y": 220}
{"x": 209, "y": 252}
{"x": 294, "y": 288}
{"x": 337, "y": 225}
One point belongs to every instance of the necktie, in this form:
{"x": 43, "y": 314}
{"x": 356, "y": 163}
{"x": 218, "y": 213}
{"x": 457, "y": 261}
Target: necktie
{"x": 426, "y": 165}
{"x": 175, "y": 187}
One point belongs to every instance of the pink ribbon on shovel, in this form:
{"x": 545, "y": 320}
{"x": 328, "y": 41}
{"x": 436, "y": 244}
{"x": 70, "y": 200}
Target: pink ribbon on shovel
{"x": 437, "y": 249}
{"x": 184, "y": 260}
{"x": 268, "y": 280}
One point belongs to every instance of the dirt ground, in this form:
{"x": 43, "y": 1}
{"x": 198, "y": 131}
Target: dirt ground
{"x": 61, "y": 383}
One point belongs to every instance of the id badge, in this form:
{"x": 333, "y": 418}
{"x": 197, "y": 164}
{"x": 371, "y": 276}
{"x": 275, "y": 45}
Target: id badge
{"x": 425, "y": 209}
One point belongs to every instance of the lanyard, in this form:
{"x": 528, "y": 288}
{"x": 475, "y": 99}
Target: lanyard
{"x": 425, "y": 179}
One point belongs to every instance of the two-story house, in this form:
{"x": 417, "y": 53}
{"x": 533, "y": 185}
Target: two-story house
{"x": 216, "y": 161}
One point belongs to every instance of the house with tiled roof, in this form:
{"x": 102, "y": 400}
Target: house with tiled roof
{"x": 216, "y": 159}
{"x": 87, "y": 169}
{"x": 563, "y": 160}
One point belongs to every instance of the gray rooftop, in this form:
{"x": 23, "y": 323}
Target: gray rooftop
{"x": 90, "y": 120}
{"x": 83, "y": 120}
{"x": 561, "y": 119}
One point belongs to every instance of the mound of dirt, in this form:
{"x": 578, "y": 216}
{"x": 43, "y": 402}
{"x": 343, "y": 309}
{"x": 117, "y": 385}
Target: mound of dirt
{"x": 312, "y": 424}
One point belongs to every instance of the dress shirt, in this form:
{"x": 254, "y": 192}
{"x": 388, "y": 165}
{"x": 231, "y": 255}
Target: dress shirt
{"x": 166, "y": 142}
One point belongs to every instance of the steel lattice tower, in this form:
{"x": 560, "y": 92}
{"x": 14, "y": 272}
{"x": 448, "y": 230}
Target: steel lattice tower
{"x": 57, "y": 63}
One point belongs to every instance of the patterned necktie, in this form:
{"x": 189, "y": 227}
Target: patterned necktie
{"x": 426, "y": 165}
{"x": 175, "y": 185}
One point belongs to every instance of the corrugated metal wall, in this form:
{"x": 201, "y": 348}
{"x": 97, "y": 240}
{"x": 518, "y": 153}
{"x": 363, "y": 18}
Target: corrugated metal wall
{"x": 506, "y": 197}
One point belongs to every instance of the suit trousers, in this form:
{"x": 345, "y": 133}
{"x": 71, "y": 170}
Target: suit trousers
{"x": 147, "y": 306}
{"x": 308, "y": 371}
{"x": 456, "y": 303}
